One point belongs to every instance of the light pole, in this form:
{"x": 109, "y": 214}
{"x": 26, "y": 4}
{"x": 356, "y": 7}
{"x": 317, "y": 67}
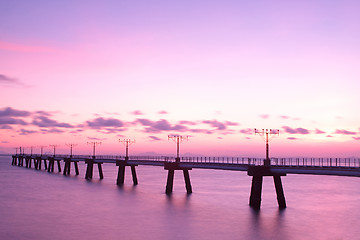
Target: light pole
{"x": 127, "y": 143}
{"x": 178, "y": 139}
{"x": 94, "y": 146}
{"x": 264, "y": 133}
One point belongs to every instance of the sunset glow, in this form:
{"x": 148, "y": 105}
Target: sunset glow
{"x": 74, "y": 72}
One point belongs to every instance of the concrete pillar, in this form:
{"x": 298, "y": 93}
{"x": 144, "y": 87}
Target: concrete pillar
{"x": 170, "y": 181}
{"x": 133, "y": 172}
{"x": 187, "y": 181}
{"x": 89, "y": 168}
{"x": 76, "y": 168}
{"x": 121, "y": 175}
{"x": 100, "y": 171}
{"x": 279, "y": 192}
{"x": 256, "y": 188}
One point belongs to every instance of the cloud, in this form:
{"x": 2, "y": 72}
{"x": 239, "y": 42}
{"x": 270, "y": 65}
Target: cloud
{"x": 10, "y": 112}
{"x": 344, "y": 132}
{"x": 228, "y": 123}
{"x": 4, "y": 141}
{"x": 52, "y": 130}
{"x": 317, "y": 131}
{"x": 96, "y": 139}
{"x": 329, "y": 136}
{"x": 161, "y": 125}
{"x": 137, "y": 112}
{"x": 144, "y": 122}
{"x": 215, "y": 124}
{"x": 6, "y": 79}
{"x": 154, "y": 138}
{"x": 356, "y": 138}
{"x": 206, "y": 131}
{"x": 292, "y": 138}
{"x": 296, "y": 130}
{"x": 104, "y": 122}
{"x": 43, "y": 121}
{"x": 248, "y": 131}
{"x": 162, "y": 112}
{"x": 264, "y": 116}
{"x": 187, "y": 122}
{"x": 284, "y": 117}
{"x": 12, "y": 121}
{"x": 5, "y": 127}
{"x": 26, "y": 132}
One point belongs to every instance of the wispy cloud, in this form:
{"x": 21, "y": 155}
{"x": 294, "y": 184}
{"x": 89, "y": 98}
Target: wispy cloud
{"x": 10, "y": 112}
{"x": 26, "y": 132}
{"x": 317, "y": 131}
{"x": 163, "y": 112}
{"x": 248, "y": 131}
{"x": 344, "y": 132}
{"x": 43, "y": 121}
{"x": 296, "y": 130}
{"x": 264, "y": 116}
{"x": 104, "y": 122}
{"x": 137, "y": 112}
{"x": 154, "y": 138}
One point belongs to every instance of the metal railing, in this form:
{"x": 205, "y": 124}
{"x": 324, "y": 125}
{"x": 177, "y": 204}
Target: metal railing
{"x": 280, "y": 162}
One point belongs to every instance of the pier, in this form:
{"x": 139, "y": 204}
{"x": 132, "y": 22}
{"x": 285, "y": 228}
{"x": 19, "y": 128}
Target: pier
{"x": 257, "y": 168}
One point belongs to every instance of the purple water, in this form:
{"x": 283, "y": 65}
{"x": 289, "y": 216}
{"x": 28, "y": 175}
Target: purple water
{"x": 41, "y": 205}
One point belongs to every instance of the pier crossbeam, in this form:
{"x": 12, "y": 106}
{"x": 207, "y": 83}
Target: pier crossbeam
{"x": 257, "y": 173}
{"x": 171, "y": 167}
{"x": 121, "y": 172}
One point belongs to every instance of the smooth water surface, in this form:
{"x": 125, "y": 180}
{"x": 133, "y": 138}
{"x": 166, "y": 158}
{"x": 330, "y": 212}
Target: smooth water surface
{"x": 41, "y": 205}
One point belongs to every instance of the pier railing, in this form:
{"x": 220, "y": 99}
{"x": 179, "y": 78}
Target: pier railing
{"x": 281, "y": 162}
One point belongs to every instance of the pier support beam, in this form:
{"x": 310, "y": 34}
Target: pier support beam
{"x": 279, "y": 192}
{"x": 171, "y": 167}
{"x": 67, "y": 166}
{"x": 257, "y": 173}
{"x": 90, "y": 167}
{"x": 14, "y": 160}
{"x": 121, "y": 172}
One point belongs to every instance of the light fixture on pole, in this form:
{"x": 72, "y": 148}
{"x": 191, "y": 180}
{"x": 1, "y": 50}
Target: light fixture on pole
{"x": 264, "y": 133}
{"x": 178, "y": 139}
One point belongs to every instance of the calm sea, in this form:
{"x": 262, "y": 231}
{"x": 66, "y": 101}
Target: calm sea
{"x": 41, "y": 205}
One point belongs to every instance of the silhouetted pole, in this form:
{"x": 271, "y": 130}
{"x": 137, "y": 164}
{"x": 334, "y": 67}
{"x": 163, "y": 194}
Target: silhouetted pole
{"x": 94, "y": 144}
{"x": 16, "y": 150}
{"x": 41, "y": 150}
{"x": 127, "y": 143}
{"x": 265, "y": 134}
{"x": 178, "y": 139}
{"x": 71, "y": 145}
{"x": 54, "y": 148}
{"x": 31, "y": 150}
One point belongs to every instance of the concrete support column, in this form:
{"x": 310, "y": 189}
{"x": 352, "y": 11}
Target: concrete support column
{"x": 101, "y": 175}
{"x": 170, "y": 181}
{"x": 187, "y": 181}
{"x": 89, "y": 168}
{"x": 256, "y": 188}
{"x": 121, "y": 174}
{"x": 279, "y": 192}
{"x": 134, "y": 177}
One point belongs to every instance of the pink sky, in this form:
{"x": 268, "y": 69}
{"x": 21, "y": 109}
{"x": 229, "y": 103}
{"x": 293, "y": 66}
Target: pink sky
{"x": 212, "y": 70}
